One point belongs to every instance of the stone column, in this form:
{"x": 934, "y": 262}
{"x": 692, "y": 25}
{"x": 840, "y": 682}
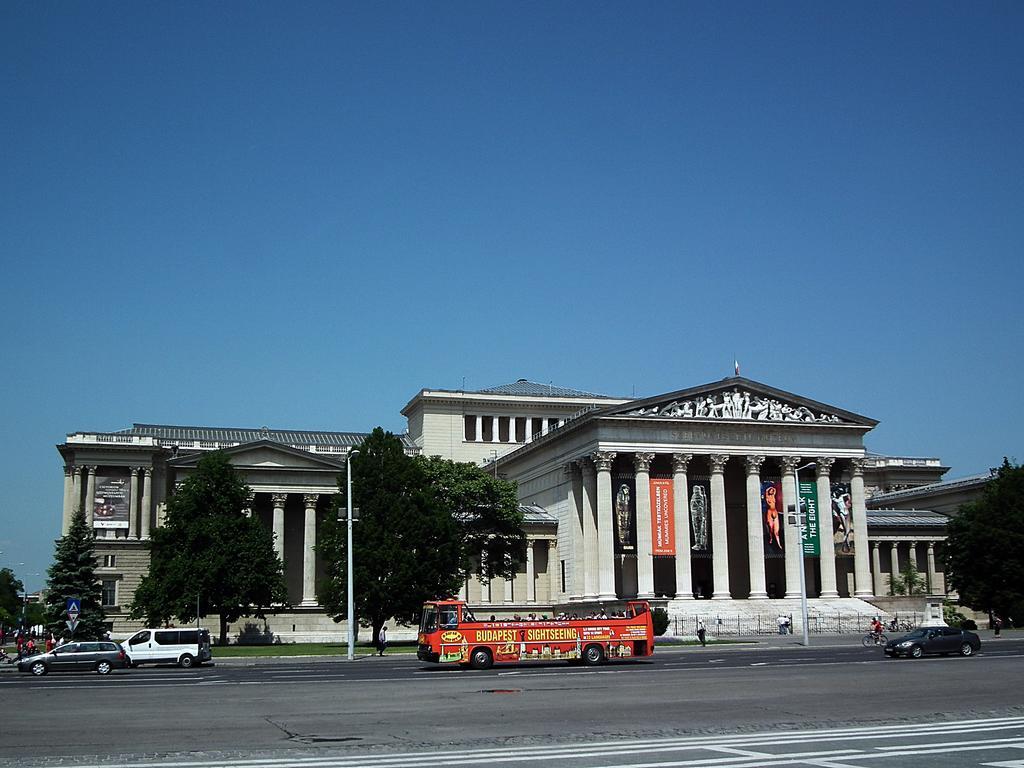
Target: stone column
{"x": 249, "y": 500}
{"x": 644, "y": 545}
{"x": 77, "y": 492}
{"x": 486, "y": 590}
{"x": 755, "y": 539}
{"x": 494, "y": 429}
{"x": 719, "y": 531}
{"x": 531, "y": 573}
{"x": 529, "y": 429}
{"x": 479, "y": 429}
{"x": 913, "y": 555}
{"x": 931, "y": 567}
{"x": 791, "y": 540}
{"x": 575, "y": 528}
{"x": 876, "y": 562}
{"x": 279, "y": 500}
{"x": 605, "y": 536}
{"x": 133, "y": 505}
{"x": 309, "y": 551}
{"x": 861, "y": 568}
{"x": 90, "y": 495}
{"x": 828, "y": 550}
{"x": 591, "y": 564}
{"x": 69, "y": 498}
{"x": 894, "y": 565}
{"x": 147, "y": 502}
{"x": 554, "y": 588}
{"x": 680, "y": 496}
{"x": 509, "y": 594}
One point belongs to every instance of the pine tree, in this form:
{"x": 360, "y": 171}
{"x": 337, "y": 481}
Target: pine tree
{"x": 73, "y": 574}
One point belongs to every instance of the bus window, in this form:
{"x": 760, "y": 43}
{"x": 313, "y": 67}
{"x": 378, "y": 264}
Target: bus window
{"x": 449, "y": 617}
{"x": 429, "y": 621}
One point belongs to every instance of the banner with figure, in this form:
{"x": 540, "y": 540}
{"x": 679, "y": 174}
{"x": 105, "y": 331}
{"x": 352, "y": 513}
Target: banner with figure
{"x": 699, "y": 507}
{"x": 624, "y": 513}
{"x": 663, "y": 528}
{"x": 772, "y": 519}
{"x": 842, "y": 519}
{"x": 110, "y": 502}
{"x": 809, "y": 535}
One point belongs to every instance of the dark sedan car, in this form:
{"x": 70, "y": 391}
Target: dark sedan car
{"x": 940, "y": 640}
{"x": 100, "y": 656}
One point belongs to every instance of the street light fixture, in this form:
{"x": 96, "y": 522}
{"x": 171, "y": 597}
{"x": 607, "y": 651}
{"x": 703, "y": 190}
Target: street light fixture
{"x": 798, "y": 520}
{"x": 348, "y": 552}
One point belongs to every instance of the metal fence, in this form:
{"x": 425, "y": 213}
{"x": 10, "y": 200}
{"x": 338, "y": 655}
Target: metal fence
{"x": 724, "y": 625}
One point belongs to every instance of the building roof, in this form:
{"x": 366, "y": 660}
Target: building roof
{"x": 525, "y": 388}
{"x": 946, "y": 486}
{"x": 905, "y": 518}
{"x": 533, "y": 513}
{"x": 296, "y": 437}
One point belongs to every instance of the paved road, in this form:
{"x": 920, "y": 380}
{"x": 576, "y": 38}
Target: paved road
{"x": 732, "y": 705}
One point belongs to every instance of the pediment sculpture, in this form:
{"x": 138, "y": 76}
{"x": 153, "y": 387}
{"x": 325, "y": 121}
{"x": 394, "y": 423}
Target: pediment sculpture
{"x": 736, "y": 404}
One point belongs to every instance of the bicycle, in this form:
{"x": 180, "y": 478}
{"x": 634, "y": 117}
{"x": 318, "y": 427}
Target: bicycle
{"x": 872, "y": 638}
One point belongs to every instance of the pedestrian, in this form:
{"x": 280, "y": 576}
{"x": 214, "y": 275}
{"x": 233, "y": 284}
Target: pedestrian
{"x": 701, "y": 633}
{"x": 997, "y": 624}
{"x": 49, "y": 642}
{"x": 382, "y": 640}
{"x": 781, "y": 621}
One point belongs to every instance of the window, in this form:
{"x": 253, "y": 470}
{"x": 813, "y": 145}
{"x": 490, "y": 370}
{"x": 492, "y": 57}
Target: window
{"x": 166, "y": 638}
{"x": 142, "y": 637}
{"x": 109, "y": 561}
{"x": 109, "y": 597}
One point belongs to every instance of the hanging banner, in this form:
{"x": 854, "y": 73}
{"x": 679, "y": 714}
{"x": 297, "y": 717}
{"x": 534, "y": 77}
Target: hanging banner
{"x": 809, "y": 535}
{"x": 110, "y": 502}
{"x": 624, "y": 507}
{"x": 663, "y": 528}
{"x": 842, "y": 519}
{"x": 699, "y": 510}
{"x": 771, "y": 515}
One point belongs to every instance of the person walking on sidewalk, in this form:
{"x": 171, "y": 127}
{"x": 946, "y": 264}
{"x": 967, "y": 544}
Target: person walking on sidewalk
{"x": 382, "y": 640}
{"x": 702, "y": 633}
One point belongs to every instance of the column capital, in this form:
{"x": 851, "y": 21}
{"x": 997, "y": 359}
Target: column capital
{"x": 874, "y": 545}
{"x": 913, "y": 543}
{"x": 718, "y": 461}
{"x": 586, "y": 466}
{"x": 857, "y": 467}
{"x": 824, "y": 465}
{"x": 310, "y": 499}
{"x": 250, "y": 497}
{"x": 147, "y": 471}
{"x": 178, "y": 485}
{"x": 279, "y": 499}
{"x": 91, "y": 469}
{"x": 680, "y": 461}
{"x": 931, "y": 546}
{"x": 753, "y": 464}
{"x": 603, "y": 460}
{"x": 789, "y": 464}
{"x": 69, "y": 470}
{"x": 135, "y": 471}
{"x": 642, "y": 461}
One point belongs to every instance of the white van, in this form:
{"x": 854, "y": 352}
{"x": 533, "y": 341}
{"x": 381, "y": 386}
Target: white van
{"x": 184, "y": 647}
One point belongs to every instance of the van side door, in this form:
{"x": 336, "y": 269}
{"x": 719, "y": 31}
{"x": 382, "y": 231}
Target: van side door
{"x": 140, "y": 646}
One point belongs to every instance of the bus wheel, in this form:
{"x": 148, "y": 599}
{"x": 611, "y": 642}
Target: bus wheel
{"x": 593, "y": 655}
{"x": 481, "y": 658}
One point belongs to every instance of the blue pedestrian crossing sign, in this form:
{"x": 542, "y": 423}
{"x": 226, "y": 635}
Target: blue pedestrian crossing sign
{"x": 73, "y": 610}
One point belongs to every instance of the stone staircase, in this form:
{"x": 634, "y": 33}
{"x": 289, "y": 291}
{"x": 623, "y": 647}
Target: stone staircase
{"x": 723, "y": 618}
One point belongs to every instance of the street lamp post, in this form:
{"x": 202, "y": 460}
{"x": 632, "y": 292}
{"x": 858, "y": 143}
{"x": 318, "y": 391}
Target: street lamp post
{"x": 798, "y": 520}
{"x": 348, "y": 552}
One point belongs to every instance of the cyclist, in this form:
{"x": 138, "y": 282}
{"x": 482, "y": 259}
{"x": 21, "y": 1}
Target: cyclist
{"x": 876, "y": 628}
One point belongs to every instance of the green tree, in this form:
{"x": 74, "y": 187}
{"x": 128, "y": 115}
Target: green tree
{"x": 909, "y": 582}
{"x": 487, "y": 512}
{"x": 985, "y": 546}
{"x": 73, "y": 574}
{"x": 209, "y": 550}
{"x": 421, "y": 527}
{"x": 11, "y": 591}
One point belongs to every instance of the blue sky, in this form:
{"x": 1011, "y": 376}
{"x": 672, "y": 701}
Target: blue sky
{"x": 298, "y": 215}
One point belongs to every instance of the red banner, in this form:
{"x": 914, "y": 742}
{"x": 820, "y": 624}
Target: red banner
{"x": 663, "y": 523}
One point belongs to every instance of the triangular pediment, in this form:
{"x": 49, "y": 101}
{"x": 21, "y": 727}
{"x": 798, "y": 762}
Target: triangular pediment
{"x": 269, "y": 455}
{"x": 738, "y": 399}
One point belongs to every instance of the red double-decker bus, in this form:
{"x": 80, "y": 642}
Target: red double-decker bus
{"x": 451, "y": 634}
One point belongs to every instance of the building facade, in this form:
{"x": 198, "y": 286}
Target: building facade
{"x": 675, "y": 498}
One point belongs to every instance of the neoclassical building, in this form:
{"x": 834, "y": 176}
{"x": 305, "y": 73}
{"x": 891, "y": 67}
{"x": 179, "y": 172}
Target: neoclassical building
{"x": 677, "y": 498}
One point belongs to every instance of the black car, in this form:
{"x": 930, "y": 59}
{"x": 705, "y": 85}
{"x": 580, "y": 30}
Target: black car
{"x": 100, "y": 656}
{"x": 940, "y": 640}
